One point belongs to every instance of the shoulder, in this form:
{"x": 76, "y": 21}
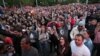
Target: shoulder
{"x": 85, "y": 48}
{"x": 34, "y": 49}
{"x": 72, "y": 44}
{"x": 75, "y": 28}
{"x": 89, "y": 41}
{"x": 86, "y": 51}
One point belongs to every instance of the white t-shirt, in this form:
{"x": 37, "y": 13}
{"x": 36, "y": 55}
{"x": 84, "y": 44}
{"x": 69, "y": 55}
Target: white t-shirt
{"x": 79, "y": 51}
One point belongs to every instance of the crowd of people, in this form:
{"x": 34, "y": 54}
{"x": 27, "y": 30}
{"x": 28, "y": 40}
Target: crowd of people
{"x": 64, "y": 30}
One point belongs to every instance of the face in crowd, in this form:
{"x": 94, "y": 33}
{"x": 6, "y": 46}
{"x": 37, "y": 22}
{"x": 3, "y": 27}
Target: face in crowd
{"x": 81, "y": 27}
{"x": 93, "y": 22}
{"x": 62, "y": 41}
{"x": 79, "y": 39}
{"x": 25, "y": 44}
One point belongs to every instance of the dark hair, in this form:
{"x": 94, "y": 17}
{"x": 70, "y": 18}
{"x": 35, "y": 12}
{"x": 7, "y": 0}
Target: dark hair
{"x": 66, "y": 45}
{"x": 27, "y": 40}
{"x": 66, "y": 42}
{"x": 80, "y": 35}
{"x": 65, "y": 39}
{"x": 88, "y": 31}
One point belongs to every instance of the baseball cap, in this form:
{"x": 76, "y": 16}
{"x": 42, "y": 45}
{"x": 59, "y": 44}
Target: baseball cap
{"x": 8, "y": 40}
{"x": 80, "y": 24}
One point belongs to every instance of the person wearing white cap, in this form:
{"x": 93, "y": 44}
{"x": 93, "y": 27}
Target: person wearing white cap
{"x": 77, "y": 30}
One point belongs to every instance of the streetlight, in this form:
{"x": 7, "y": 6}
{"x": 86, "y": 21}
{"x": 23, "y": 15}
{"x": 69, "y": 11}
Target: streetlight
{"x": 4, "y": 3}
{"x": 78, "y": 1}
{"x": 87, "y": 1}
{"x": 36, "y": 3}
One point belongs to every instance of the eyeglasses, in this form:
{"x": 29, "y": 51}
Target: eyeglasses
{"x": 80, "y": 26}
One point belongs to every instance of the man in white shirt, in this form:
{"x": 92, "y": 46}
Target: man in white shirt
{"x": 78, "y": 48}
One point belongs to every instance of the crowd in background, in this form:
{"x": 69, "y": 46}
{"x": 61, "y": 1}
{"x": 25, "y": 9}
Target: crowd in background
{"x": 67, "y": 30}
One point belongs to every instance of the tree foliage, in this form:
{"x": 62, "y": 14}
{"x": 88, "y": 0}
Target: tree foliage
{"x": 43, "y": 2}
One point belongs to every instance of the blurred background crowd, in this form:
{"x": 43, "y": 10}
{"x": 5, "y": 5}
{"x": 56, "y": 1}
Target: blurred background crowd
{"x": 50, "y": 30}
